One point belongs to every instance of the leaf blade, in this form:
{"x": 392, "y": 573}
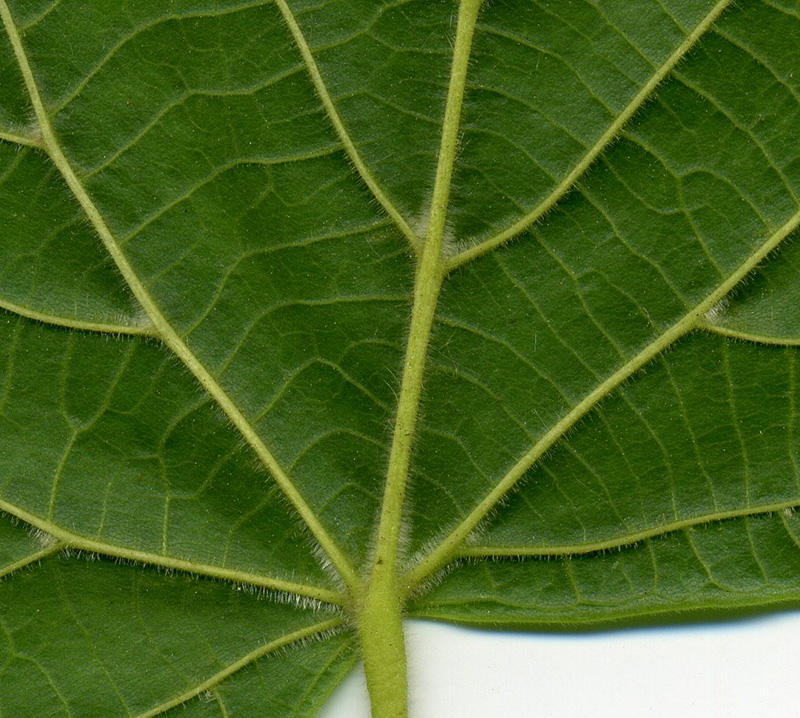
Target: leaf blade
{"x": 109, "y": 446}
{"x": 566, "y": 184}
{"x": 163, "y": 328}
{"x": 85, "y": 619}
{"x": 680, "y": 572}
{"x": 199, "y": 144}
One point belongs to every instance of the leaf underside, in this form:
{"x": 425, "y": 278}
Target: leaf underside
{"x": 211, "y": 214}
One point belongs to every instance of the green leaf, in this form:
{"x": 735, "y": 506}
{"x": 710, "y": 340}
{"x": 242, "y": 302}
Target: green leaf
{"x": 739, "y": 563}
{"x": 317, "y": 314}
{"x": 121, "y": 622}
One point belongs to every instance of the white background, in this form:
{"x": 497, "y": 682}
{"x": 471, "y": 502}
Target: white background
{"x": 725, "y": 670}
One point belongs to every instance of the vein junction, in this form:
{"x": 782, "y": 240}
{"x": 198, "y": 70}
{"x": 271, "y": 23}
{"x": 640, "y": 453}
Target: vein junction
{"x": 164, "y": 331}
{"x": 433, "y": 267}
{"x": 693, "y": 319}
{"x": 380, "y": 608}
{"x": 162, "y": 327}
{"x": 379, "y": 598}
{"x": 611, "y": 133}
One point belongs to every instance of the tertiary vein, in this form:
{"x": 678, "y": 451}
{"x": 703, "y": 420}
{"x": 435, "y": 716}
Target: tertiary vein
{"x": 566, "y": 184}
{"x": 162, "y": 327}
{"x": 30, "y": 558}
{"x": 449, "y": 546}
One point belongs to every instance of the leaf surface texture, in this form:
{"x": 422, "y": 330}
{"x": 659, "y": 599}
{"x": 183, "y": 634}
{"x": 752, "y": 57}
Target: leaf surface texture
{"x": 214, "y": 217}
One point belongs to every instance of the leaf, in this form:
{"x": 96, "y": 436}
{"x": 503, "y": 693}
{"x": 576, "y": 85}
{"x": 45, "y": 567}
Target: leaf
{"x": 317, "y": 315}
{"x": 120, "y": 623}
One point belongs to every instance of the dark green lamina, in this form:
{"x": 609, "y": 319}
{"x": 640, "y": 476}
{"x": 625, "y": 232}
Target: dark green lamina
{"x": 316, "y": 314}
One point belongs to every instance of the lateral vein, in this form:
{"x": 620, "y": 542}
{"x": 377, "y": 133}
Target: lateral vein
{"x": 621, "y": 541}
{"x": 446, "y": 549}
{"x": 341, "y": 130}
{"x": 68, "y": 539}
{"x": 165, "y": 331}
{"x": 246, "y": 660}
{"x": 604, "y": 140}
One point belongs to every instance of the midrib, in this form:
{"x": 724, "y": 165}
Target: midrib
{"x": 162, "y": 327}
{"x": 379, "y": 609}
{"x": 430, "y": 275}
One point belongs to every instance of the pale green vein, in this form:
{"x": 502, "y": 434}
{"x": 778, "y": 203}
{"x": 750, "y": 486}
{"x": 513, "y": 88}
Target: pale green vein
{"x": 68, "y": 539}
{"x": 381, "y": 630}
{"x": 59, "y": 469}
{"x": 145, "y": 330}
{"x": 603, "y": 141}
{"x": 426, "y": 292}
{"x": 449, "y": 545}
{"x": 709, "y": 326}
{"x": 24, "y": 140}
{"x": 688, "y": 533}
{"x": 221, "y": 703}
{"x": 736, "y": 419}
{"x": 31, "y": 558}
{"x": 754, "y": 552}
{"x": 562, "y": 550}
{"x": 341, "y": 130}
{"x": 95, "y": 651}
{"x": 211, "y": 683}
{"x": 160, "y": 323}
{"x": 136, "y": 31}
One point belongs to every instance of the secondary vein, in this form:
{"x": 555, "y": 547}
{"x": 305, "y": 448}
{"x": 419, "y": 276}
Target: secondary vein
{"x": 164, "y": 329}
{"x": 341, "y": 130}
{"x": 709, "y": 326}
{"x": 603, "y": 141}
{"x": 68, "y": 539}
{"x": 563, "y": 550}
{"x": 207, "y": 685}
{"x": 448, "y": 547}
